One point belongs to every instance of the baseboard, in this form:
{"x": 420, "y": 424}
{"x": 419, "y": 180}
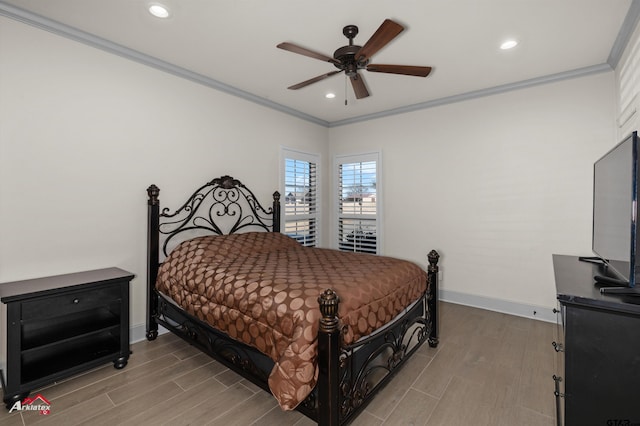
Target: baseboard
{"x": 542, "y": 313}
{"x": 138, "y": 333}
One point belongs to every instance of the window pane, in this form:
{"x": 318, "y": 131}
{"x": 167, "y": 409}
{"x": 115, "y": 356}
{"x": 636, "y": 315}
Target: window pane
{"x": 300, "y": 201}
{"x": 300, "y": 187}
{"x": 358, "y": 235}
{"x": 358, "y": 188}
{"x": 303, "y": 231}
{"x": 358, "y": 206}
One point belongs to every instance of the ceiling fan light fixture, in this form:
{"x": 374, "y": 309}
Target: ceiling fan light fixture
{"x": 508, "y": 44}
{"x": 330, "y": 95}
{"x": 158, "y": 10}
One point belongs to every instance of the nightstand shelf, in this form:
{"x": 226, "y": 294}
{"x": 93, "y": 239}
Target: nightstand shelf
{"x": 60, "y": 326}
{"x": 37, "y": 334}
{"x": 68, "y": 355}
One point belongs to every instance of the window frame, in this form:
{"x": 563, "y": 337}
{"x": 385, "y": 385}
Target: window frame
{"x": 357, "y": 158}
{"x": 309, "y": 157}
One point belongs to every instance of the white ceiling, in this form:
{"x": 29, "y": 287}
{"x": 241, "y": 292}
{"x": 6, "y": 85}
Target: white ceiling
{"x": 231, "y": 45}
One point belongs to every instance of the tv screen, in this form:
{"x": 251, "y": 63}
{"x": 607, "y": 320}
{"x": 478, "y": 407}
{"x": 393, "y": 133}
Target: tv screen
{"x": 615, "y": 194}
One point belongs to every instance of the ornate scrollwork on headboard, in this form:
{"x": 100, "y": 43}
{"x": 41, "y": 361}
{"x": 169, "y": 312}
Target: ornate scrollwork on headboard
{"x": 223, "y": 206}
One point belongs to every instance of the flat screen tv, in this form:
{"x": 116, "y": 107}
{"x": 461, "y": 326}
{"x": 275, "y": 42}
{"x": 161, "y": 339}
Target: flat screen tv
{"x": 615, "y": 207}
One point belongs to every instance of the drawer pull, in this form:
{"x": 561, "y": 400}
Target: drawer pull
{"x": 76, "y": 301}
{"x": 558, "y": 347}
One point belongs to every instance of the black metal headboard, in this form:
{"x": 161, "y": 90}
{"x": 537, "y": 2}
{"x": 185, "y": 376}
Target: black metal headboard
{"x": 223, "y": 199}
{"x": 222, "y": 206}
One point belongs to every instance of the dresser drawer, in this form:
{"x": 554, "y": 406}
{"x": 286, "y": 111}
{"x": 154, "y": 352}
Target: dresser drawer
{"x": 71, "y": 302}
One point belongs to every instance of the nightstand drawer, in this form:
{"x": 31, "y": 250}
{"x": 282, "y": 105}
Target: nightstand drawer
{"x": 71, "y": 302}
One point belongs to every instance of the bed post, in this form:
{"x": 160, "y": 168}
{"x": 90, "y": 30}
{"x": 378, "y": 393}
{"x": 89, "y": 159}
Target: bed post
{"x": 153, "y": 248}
{"x": 276, "y": 212}
{"x": 328, "y": 353}
{"x": 432, "y": 297}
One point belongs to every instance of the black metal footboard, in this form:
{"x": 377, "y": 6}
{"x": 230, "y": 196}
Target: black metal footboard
{"x": 351, "y": 375}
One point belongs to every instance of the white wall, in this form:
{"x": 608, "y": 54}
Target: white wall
{"x": 495, "y": 184}
{"x": 83, "y": 133}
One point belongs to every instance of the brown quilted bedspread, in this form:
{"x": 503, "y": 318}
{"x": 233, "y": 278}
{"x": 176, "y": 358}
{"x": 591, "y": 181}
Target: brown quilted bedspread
{"x": 262, "y": 289}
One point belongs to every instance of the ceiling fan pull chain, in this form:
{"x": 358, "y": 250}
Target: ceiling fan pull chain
{"x": 345, "y": 90}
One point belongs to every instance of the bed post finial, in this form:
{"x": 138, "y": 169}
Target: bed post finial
{"x": 328, "y": 301}
{"x": 153, "y": 192}
{"x": 433, "y": 257}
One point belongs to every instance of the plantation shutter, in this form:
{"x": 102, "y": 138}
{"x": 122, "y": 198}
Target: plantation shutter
{"x": 358, "y": 204}
{"x": 301, "y": 198}
{"x": 629, "y": 87}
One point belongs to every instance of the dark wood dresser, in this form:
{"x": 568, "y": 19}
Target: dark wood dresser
{"x": 61, "y": 325}
{"x": 600, "y": 354}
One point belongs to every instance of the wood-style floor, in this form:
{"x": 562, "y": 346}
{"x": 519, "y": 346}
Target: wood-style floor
{"x": 489, "y": 369}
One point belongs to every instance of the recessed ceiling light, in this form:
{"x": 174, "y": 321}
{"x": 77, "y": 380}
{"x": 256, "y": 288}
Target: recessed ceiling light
{"x": 509, "y": 44}
{"x": 159, "y": 11}
{"x": 330, "y": 95}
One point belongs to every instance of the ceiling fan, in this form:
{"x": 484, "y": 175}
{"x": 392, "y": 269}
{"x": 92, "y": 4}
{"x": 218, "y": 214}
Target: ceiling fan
{"x": 352, "y": 58}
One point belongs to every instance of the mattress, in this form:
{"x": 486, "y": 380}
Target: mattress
{"x": 262, "y": 289}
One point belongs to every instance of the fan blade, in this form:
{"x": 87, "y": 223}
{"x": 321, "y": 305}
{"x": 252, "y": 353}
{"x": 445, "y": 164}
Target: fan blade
{"x": 306, "y": 52}
{"x": 359, "y": 87}
{"x": 400, "y": 69}
{"x": 383, "y": 35}
{"x": 312, "y": 80}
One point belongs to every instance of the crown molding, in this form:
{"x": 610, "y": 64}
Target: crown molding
{"x": 625, "y": 33}
{"x": 581, "y": 72}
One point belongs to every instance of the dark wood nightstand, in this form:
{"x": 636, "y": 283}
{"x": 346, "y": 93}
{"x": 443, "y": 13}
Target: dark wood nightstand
{"x": 61, "y": 325}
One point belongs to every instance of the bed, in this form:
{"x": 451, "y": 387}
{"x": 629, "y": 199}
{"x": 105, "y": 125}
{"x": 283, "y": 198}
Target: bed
{"x": 322, "y": 330}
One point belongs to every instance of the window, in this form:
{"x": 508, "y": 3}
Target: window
{"x": 358, "y": 203}
{"x": 300, "y": 197}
